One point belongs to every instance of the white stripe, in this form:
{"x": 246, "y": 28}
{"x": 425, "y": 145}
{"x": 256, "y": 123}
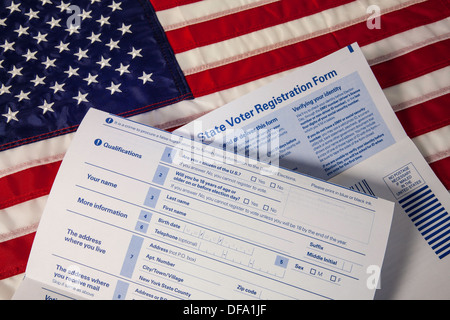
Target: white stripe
{"x": 21, "y": 219}
{"x": 403, "y": 95}
{"x": 285, "y": 34}
{"x": 433, "y": 143}
{"x": 407, "y": 41}
{"x": 197, "y": 12}
{"x": 9, "y": 286}
{"x": 185, "y": 111}
{"x": 420, "y": 89}
{"x": 438, "y": 156}
{"x": 33, "y": 154}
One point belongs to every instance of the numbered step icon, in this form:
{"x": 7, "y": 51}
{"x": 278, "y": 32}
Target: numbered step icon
{"x": 281, "y": 261}
{"x": 129, "y": 262}
{"x": 152, "y": 197}
{"x": 160, "y": 175}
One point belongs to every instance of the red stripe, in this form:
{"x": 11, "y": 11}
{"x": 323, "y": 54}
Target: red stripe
{"x": 275, "y": 61}
{"x": 258, "y": 18}
{"x": 442, "y": 170}
{"x": 159, "y": 5}
{"x": 413, "y": 64}
{"x": 14, "y": 255}
{"x": 426, "y": 117}
{"x": 27, "y": 184}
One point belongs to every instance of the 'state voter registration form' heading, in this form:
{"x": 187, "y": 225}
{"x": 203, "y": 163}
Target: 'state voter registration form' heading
{"x": 138, "y": 213}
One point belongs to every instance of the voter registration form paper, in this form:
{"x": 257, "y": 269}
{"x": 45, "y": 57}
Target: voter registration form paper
{"x": 139, "y": 213}
{"x": 331, "y": 120}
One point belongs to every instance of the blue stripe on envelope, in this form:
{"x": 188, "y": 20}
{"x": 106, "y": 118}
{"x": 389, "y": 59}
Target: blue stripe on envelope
{"x": 430, "y": 217}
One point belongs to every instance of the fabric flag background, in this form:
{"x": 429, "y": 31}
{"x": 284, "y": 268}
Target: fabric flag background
{"x": 225, "y": 48}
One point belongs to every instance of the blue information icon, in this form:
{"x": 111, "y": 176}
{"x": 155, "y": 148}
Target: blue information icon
{"x": 98, "y": 142}
{"x": 109, "y": 120}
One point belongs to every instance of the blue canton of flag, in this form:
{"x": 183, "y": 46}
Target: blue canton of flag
{"x": 58, "y": 59}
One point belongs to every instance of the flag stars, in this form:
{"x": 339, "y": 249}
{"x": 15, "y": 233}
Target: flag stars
{"x": 94, "y": 80}
{"x": 115, "y": 6}
{"x": 81, "y": 54}
{"x": 11, "y": 115}
{"x": 8, "y": 46}
{"x": 54, "y": 23}
{"x": 57, "y": 87}
{"x": 103, "y": 20}
{"x": 72, "y": 72}
{"x": 73, "y": 29}
{"x": 41, "y": 37}
{"x": 135, "y": 53}
{"x": 81, "y": 97}
{"x": 113, "y": 44}
{"x": 91, "y": 79}
{"x": 123, "y": 69}
{"x": 104, "y": 63}
{"x": 30, "y": 55}
{"x": 38, "y": 80}
{"x": 146, "y": 77}
{"x": 63, "y": 6}
{"x": 94, "y": 37}
{"x": 46, "y": 107}
{"x": 32, "y": 14}
{"x": 21, "y": 31}
{"x": 85, "y": 14}
{"x": 23, "y": 95}
{"x": 62, "y": 47}
{"x": 15, "y": 71}
{"x": 13, "y": 7}
{"x": 4, "y": 89}
{"x": 125, "y": 29}
{"x": 114, "y": 88}
{"x": 49, "y": 63}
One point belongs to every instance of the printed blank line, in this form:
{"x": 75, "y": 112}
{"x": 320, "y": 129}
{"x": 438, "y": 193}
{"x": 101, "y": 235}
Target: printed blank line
{"x": 186, "y": 286}
{"x": 232, "y": 222}
{"x": 217, "y": 195}
{"x": 191, "y": 275}
{"x": 228, "y": 275}
{"x": 60, "y": 294}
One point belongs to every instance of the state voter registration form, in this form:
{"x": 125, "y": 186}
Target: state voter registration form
{"x": 331, "y": 120}
{"x": 139, "y": 213}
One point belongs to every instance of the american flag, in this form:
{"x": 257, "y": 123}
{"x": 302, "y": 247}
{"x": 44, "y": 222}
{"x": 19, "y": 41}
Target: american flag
{"x": 58, "y": 60}
{"x": 225, "y": 48}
